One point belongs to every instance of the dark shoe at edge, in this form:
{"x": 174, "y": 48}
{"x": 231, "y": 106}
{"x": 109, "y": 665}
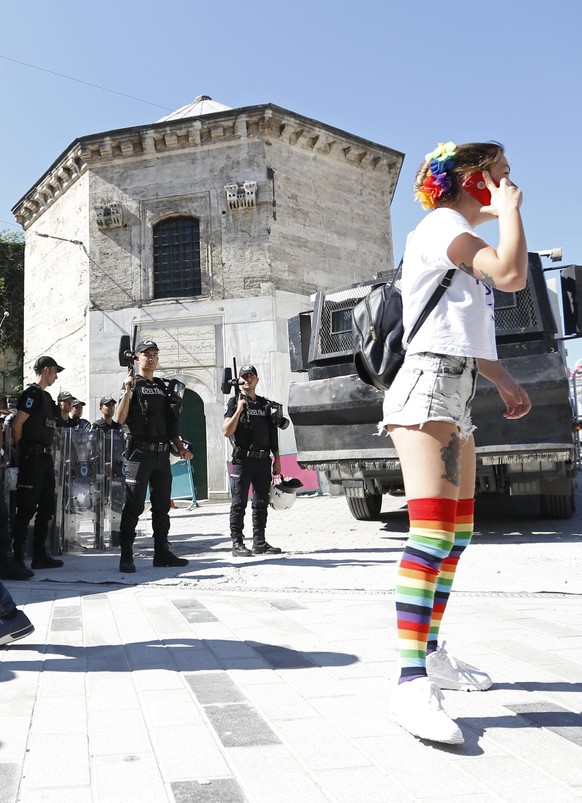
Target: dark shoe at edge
{"x": 46, "y": 562}
{"x": 263, "y": 548}
{"x": 239, "y": 550}
{"x": 16, "y": 628}
{"x": 168, "y": 559}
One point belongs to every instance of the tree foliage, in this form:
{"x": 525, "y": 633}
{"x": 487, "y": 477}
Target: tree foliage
{"x": 12, "y": 292}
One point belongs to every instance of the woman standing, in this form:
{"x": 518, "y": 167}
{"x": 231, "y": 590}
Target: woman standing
{"x": 427, "y": 410}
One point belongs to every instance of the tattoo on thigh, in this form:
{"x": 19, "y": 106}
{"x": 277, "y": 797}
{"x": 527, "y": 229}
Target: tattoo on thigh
{"x": 451, "y": 457}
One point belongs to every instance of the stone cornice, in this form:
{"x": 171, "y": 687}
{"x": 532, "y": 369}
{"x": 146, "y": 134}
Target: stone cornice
{"x": 267, "y": 122}
{"x": 50, "y": 187}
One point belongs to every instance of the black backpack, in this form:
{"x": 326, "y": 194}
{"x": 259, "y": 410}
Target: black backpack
{"x": 378, "y": 330}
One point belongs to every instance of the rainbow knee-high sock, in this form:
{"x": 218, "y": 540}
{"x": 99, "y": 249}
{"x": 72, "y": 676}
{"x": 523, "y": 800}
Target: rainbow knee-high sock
{"x": 463, "y": 534}
{"x": 431, "y": 537}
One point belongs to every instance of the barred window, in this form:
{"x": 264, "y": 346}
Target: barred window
{"x": 177, "y": 258}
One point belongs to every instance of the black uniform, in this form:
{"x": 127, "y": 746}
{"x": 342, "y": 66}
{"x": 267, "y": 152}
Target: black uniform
{"x": 80, "y": 423}
{"x": 35, "y": 491}
{"x": 63, "y": 423}
{"x": 102, "y": 424}
{"x": 253, "y": 441}
{"x": 152, "y": 425}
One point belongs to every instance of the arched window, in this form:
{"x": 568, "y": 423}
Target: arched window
{"x": 177, "y": 258}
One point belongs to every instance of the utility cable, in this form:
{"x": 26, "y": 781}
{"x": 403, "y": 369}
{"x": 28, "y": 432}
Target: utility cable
{"x": 87, "y": 83}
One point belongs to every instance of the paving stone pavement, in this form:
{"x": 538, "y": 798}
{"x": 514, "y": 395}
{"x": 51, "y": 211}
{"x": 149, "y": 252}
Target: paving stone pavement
{"x": 269, "y": 678}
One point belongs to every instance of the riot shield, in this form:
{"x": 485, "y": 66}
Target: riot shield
{"x": 57, "y": 526}
{"x": 10, "y": 468}
{"x": 113, "y": 487}
{"x": 82, "y": 488}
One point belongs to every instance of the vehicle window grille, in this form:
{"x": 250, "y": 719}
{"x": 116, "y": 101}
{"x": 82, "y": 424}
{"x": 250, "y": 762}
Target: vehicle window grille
{"x": 515, "y": 311}
{"x": 335, "y": 330}
{"x": 336, "y": 320}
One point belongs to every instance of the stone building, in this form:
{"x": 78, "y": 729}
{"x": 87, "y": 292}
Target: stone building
{"x": 204, "y": 231}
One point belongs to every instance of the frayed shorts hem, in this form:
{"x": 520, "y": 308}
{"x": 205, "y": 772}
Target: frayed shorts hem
{"x": 432, "y": 387}
{"x": 464, "y": 431}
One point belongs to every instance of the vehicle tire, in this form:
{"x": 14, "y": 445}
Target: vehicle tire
{"x": 558, "y": 506}
{"x": 366, "y": 509}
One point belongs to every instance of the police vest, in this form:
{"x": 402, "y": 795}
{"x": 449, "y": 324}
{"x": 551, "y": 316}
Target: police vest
{"x": 255, "y": 429}
{"x": 149, "y": 415}
{"x": 39, "y": 427}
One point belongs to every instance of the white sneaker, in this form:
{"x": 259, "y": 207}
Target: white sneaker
{"x": 449, "y": 673}
{"x": 416, "y": 707}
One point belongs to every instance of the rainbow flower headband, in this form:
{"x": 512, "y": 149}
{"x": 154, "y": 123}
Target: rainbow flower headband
{"x": 436, "y": 181}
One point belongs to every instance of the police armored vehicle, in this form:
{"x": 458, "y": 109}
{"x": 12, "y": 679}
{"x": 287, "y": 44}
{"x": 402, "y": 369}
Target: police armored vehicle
{"x": 335, "y": 414}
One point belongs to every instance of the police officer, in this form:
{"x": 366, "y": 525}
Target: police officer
{"x": 152, "y": 420}
{"x": 76, "y": 419}
{"x": 65, "y": 401}
{"x": 107, "y": 409}
{"x": 248, "y": 425}
{"x": 33, "y": 432}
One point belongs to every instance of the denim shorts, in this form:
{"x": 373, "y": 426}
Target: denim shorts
{"x": 432, "y": 387}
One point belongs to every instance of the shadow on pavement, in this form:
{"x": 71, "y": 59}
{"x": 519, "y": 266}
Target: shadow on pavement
{"x": 184, "y": 655}
{"x": 528, "y": 685}
{"x": 567, "y": 724}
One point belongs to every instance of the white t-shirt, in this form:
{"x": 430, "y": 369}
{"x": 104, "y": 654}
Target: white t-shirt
{"x": 463, "y": 322}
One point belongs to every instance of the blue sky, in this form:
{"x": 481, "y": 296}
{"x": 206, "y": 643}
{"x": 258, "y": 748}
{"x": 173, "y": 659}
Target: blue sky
{"x": 404, "y": 74}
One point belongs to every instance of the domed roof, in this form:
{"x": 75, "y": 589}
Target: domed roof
{"x": 202, "y": 105}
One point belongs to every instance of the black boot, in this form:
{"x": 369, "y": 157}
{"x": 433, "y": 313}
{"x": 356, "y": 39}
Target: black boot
{"x": 42, "y": 560}
{"x": 167, "y": 558}
{"x": 239, "y": 549}
{"x": 261, "y": 547}
{"x": 13, "y": 570}
{"x": 163, "y": 556}
{"x": 126, "y": 564}
{"x": 19, "y": 553}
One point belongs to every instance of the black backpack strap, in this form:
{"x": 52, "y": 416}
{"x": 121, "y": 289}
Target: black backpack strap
{"x": 433, "y": 301}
